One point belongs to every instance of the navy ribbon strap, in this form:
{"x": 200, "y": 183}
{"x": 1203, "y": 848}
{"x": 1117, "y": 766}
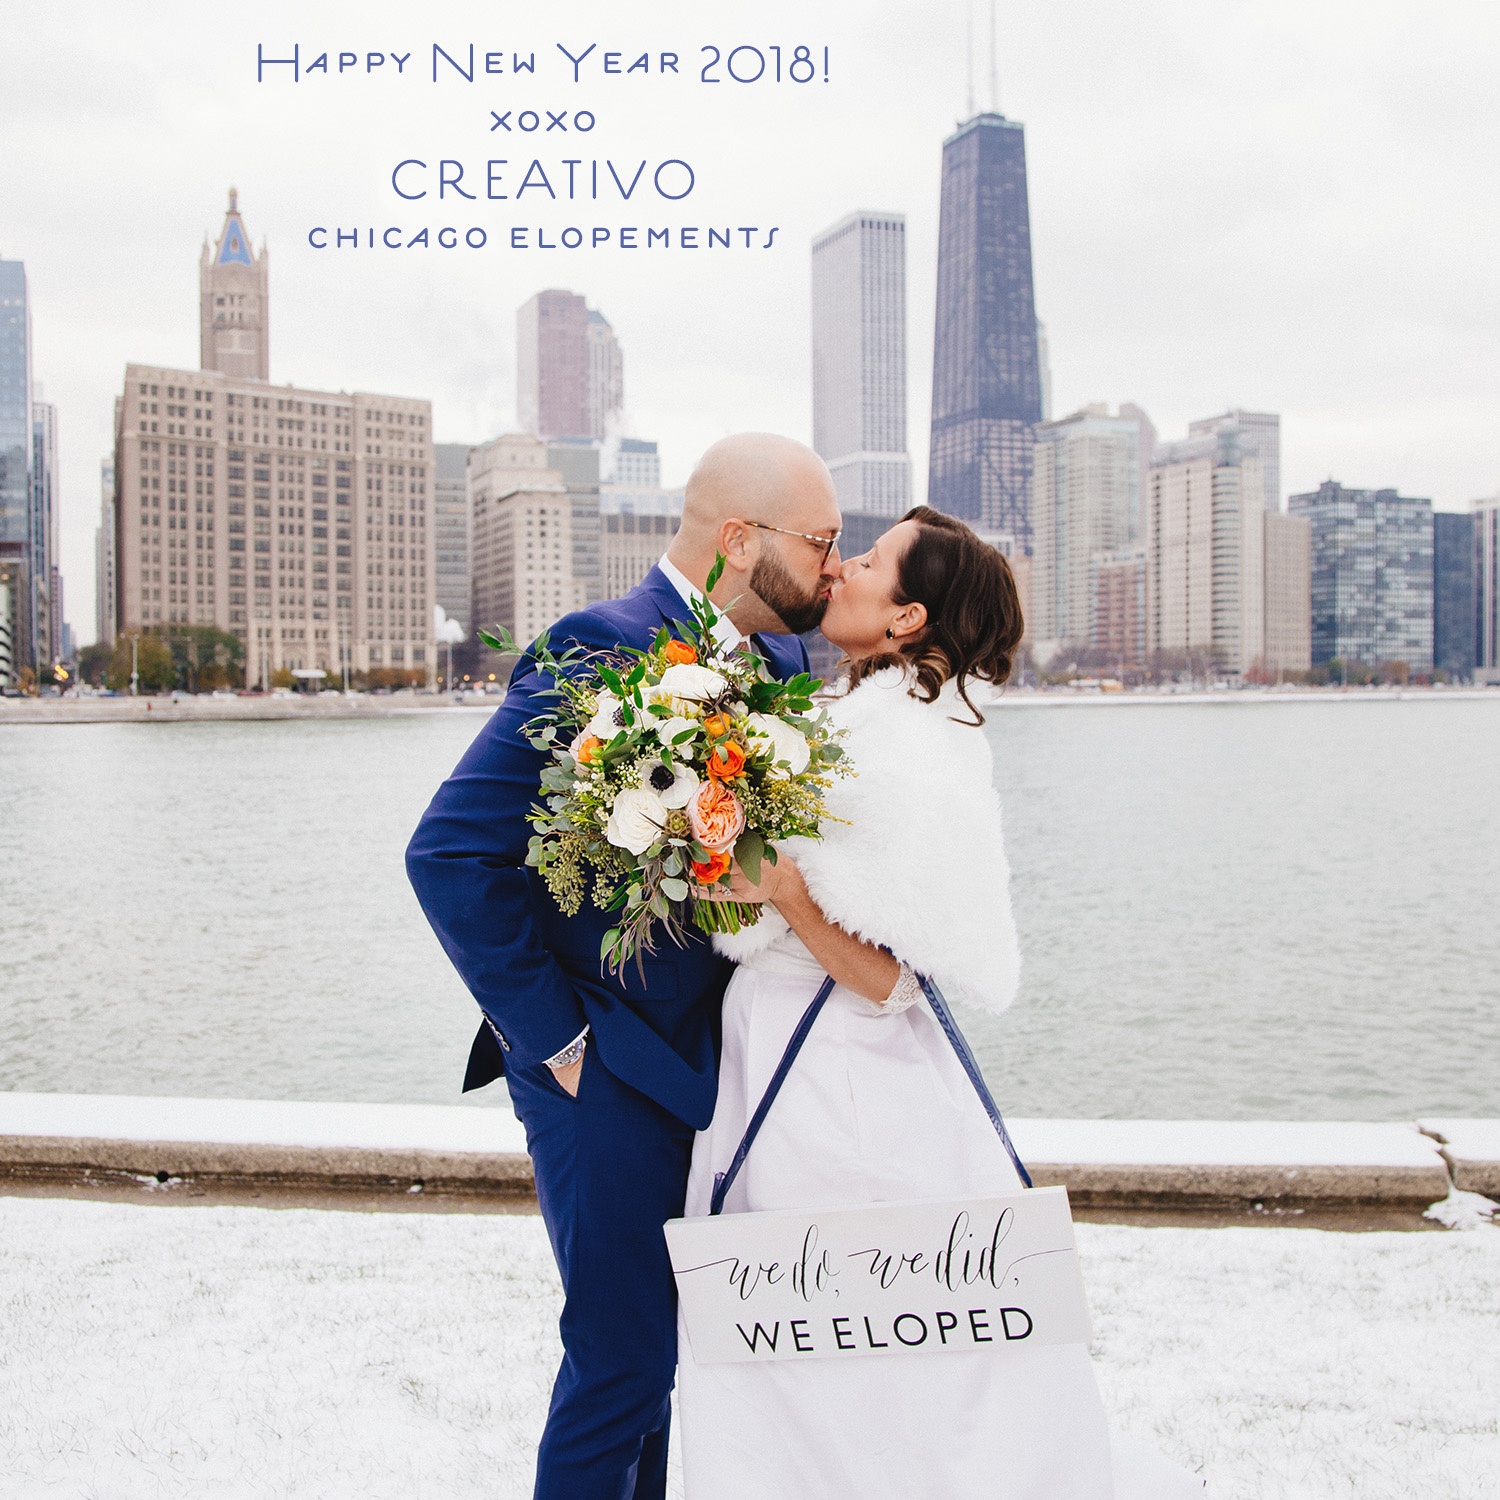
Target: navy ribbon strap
{"x": 961, "y": 1046}
{"x": 723, "y": 1181}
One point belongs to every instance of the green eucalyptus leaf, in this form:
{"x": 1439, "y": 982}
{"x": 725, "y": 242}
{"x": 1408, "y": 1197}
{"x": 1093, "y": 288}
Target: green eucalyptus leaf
{"x": 748, "y": 851}
{"x": 674, "y": 889}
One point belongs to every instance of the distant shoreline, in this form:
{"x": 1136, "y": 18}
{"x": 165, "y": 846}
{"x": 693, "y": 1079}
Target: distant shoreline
{"x": 203, "y": 709}
{"x": 1067, "y": 697}
{"x": 206, "y": 710}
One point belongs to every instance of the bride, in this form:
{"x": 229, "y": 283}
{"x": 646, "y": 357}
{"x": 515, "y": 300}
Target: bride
{"x": 877, "y": 1106}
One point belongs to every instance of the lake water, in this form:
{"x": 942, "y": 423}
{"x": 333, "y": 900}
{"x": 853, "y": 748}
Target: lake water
{"x": 1236, "y": 911}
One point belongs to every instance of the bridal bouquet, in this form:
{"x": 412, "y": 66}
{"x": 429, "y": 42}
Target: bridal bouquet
{"x": 666, "y": 766}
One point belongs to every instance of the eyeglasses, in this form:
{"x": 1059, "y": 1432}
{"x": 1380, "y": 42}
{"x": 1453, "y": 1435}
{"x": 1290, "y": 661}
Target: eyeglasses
{"x": 827, "y": 543}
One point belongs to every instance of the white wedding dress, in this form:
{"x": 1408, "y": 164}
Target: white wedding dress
{"x": 878, "y": 1108}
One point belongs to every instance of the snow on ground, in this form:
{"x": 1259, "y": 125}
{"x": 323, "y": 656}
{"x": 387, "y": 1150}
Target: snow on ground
{"x": 176, "y": 1352}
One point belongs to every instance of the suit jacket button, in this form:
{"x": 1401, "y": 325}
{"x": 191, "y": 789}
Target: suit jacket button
{"x": 499, "y": 1035}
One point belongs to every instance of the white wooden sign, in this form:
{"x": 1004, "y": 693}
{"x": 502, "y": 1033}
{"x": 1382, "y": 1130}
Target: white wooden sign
{"x": 993, "y": 1274}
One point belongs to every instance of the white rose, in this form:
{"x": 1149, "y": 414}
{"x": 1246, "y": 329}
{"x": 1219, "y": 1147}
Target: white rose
{"x": 688, "y": 680}
{"x": 667, "y": 731}
{"x": 674, "y": 786}
{"x": 788, "y": 743}
{"x": 604, "y": 723}
{"x": 635, "y": 822}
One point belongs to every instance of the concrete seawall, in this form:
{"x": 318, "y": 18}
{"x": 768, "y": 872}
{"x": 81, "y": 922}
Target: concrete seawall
{"x": 405, "y": 1156}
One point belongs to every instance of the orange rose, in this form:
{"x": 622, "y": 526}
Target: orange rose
{"x": 588, "y": 752}
{"x": 679, "y": 652}
{"x": 716, "y": 816}
{"x": 716, "y": 865}
{"x": 726, "y": 760}
{"x": 716, "y": 726}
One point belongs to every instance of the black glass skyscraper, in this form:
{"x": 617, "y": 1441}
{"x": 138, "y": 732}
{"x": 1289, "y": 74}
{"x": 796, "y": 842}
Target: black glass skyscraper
{"x": 986, "y": 384}
{"x": 1455, "y": 613}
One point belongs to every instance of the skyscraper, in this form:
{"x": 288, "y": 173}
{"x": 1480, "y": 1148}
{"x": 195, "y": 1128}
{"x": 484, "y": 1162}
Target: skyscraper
{"x": 1288, "y": 593}
{"x": 1371, "y": 575}
{"x": 104, "y": 557}
{"x": 1455, "y": 617}
{"x": 45, "y": 475}
{"x": 570, "y": 379}
{"x": 1487, "y": 590}
{"x": 606, "y": 390}
{"x": 986, "y": 380}
{"x": 1259, "y": 435}
{"x": 1205, "y": 539}
{"x": 234, "y": 319}
{"x": 17, "y": 574}
{"x": 523, "y": 541}
{"x": 1117, "y": 594}
{"x": 1085, "y": 491}
{"x": 859, "y": 361}
{"x": 452, "y": 577}
{"x": 1044, "y": 368}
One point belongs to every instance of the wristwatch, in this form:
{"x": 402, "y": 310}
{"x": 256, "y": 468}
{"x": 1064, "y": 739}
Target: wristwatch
{"x": 571, "y": 1053}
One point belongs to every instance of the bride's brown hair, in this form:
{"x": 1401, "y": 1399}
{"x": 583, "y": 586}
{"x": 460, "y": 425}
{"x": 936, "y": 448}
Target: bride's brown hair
{"x": 974, "y": 621}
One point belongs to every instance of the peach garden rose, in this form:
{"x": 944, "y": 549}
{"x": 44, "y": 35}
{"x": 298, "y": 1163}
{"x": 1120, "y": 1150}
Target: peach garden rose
{"x": 716, "y": 816}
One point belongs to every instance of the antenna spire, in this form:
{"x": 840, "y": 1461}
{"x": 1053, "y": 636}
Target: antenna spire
{"x": 994, "y": 75}
{"x": 969, "y": 113}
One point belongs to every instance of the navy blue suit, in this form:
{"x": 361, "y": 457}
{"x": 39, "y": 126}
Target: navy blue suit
{"x": 611, "y": 1165}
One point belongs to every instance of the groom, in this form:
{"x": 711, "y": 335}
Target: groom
{"x": 612, "y": 1074}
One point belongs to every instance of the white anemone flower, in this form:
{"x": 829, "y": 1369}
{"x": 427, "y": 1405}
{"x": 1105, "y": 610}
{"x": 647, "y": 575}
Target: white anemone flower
{"x": 636, "y": 820}
{"x": 605, "y": 722}
{"x": 690, "y": 681}
{"x": 788, "y": 743}
{"x": 675, "y": 786}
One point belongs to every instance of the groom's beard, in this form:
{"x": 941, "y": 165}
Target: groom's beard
{"x": 799, "y": 610}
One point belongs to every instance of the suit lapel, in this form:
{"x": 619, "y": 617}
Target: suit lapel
{"x": 781, "y": 652}
{"x": 668, "y": 603}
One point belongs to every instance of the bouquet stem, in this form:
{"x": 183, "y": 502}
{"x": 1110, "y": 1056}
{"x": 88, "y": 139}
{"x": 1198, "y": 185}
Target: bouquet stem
{"x": 725, "y": 916}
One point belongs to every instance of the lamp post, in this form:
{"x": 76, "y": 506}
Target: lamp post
{"x": 134, "y": 674}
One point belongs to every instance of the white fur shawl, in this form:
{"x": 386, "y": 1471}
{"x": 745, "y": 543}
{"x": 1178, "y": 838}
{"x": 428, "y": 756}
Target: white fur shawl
{"x": 919, "y": 867}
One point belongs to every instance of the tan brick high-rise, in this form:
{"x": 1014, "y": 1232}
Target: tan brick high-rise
{"x": 299, "y": 520}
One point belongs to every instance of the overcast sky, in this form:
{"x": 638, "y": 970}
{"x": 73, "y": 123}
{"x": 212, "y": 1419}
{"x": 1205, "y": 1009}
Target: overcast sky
{"x": 1289, "y": 206}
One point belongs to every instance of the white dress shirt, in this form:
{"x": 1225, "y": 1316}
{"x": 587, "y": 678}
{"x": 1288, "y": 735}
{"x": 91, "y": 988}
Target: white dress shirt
{"x": 727, "y": 636}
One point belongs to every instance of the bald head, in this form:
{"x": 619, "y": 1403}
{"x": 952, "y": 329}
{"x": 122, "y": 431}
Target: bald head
{"x": 741, "y": 486}
{"x": 758, "y": 476}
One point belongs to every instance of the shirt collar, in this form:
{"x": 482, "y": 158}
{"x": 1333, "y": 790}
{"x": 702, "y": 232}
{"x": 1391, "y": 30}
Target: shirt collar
{"x": 726, "y": 634}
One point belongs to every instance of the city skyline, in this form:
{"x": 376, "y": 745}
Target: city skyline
{"x": 1143, "y": 292}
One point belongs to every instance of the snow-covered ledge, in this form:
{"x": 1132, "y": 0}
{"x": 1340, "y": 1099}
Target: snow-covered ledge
{"x": 275, "y": 1142}
{"x": 1198, "y": 1163}
{"x": 1103, "y": 1163}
